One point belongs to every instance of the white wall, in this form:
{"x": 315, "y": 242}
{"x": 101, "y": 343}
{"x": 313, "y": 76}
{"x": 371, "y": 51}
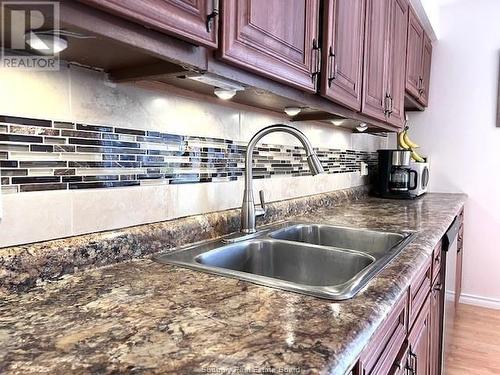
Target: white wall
{"x": 82, "y": 95}
{"x": 458, "y": 132}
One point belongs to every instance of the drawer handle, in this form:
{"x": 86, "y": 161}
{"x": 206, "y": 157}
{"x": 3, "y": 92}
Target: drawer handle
{"x": 438, "y": 287}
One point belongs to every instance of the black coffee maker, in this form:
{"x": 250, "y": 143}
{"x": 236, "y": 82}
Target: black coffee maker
{"x": 394, "y": 178}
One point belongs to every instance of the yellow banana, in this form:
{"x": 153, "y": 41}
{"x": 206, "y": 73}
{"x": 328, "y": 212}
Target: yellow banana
{"x": 408, "y": 141}
{"x": 415, "y": 156}
{"x": 401, "y": 140}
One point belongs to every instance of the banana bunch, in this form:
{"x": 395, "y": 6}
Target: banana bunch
{"x": 406, "y": 143}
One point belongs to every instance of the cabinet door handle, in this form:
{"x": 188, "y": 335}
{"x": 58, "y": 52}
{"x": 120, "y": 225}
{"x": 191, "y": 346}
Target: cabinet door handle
{"x": 332, "y": 66}
{"x": 420, "y": 85}
{"x": 316, "y": 53}
{"x": 386, "y": 104}
{"x": 212, "y": 16}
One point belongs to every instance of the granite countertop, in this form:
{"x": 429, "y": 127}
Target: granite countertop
{"x": 141, "y": 317}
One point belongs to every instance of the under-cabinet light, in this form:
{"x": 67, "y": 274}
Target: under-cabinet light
{"x": 292, "y": 111}
{"x": 361, "y": 127}
{"x": 46, "y": 43}
{"x": 224, "y": 94}
{"x": 337, "y": 122}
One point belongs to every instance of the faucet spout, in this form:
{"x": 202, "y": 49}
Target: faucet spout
{"x": 248, "y": 214}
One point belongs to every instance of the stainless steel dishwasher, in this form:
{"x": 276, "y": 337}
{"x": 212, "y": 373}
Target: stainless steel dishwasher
{"x": 452, "y": 282}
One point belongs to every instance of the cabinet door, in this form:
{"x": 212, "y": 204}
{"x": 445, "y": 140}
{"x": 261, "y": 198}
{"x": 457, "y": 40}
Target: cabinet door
{"x": 399, "y": 367}
{"x": 273, "y": 38}
{"x": 436, "y": 328}
{"x": 419, "y": 342}
{"x": 426, "y": 71}
{"x": 459, "y": 269}
{"x": 414, "y": 55}
{"x": 376, "y": 59}
{"x": 397, "y": 57}
{"x": 186, "y": 19}
{"x": 343, "y": 51}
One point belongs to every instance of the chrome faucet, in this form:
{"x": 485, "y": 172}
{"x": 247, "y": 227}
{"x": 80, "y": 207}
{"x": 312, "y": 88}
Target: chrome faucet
{"x": 248, "y": 210}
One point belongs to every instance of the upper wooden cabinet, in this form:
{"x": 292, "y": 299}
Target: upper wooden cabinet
{"x": 191, "y": 20}
{"x": 397, "y": 57}
{"x": 426, "y": 73}
{"x": 343, "y": 35}
{"x": 277, "y": 39}
{"x": 374, "y": 96}
{"x": 418, "y": 61}
{"x": 384, "y": 57}
{"x": 414, "y": 54}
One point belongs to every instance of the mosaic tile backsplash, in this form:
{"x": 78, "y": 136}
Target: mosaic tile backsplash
{"x": 50, "y": 155}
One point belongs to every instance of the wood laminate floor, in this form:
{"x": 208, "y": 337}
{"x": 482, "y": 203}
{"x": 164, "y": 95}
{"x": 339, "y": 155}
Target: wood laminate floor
{"x": 476, "y": 342}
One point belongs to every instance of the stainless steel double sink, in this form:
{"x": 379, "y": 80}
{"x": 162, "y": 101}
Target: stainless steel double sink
{"x": 321, "y": 260}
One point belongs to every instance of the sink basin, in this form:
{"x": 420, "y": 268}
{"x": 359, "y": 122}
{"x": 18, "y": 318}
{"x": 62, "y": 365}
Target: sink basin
{"x": 366, "y": 241}
{"x": 298, "y": 263}
{"x": 316, "y": 259}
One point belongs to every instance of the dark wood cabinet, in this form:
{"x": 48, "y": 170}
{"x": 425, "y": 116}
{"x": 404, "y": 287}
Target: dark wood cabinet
{"x": 410, "y": 340}
{"x": 419, "y": 343}
{"x": 278, "y": 39}
{"x": 436, "y": 326}
{"x": 418, "y": 61}
{"x": 380, "y": 354}
{"x": 397, "y": 57}
{"x": 190, "y": 20}
{"x": 414, "y": 55}
{"x": 426, "y": 71}
{"x": 385, "y": 49}
{"x": 419, "y": 291}
{"x": 399, "y": 367}
{"x": 375, "y": 59}
{"x": 343, "y": 33}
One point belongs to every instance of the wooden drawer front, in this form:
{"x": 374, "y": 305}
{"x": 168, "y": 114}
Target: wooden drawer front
{"x": 435, "y": 326}
{"x": 419, "y": 290}
{"x": 418, "y": 339}
{"x": 436, "y": 260}
{"x": 380, "y": 354}
{"x": 399, "y": 366}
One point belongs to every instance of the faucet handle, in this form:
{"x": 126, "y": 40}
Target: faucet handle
{"x": 261, "y": 211}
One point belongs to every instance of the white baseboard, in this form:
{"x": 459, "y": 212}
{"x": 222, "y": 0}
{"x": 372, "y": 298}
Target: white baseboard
{"x": 470, "y": 299}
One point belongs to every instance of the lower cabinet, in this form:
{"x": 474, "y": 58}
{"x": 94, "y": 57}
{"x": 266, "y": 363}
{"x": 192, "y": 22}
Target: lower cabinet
{"x": 409, "y": 341}
{"x": 378, "y": 357}
{"x": 436, "y": 327}
{"x": 418, "y": 361}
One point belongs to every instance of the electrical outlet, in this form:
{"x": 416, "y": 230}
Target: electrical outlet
{"x": 363, "y": 169}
